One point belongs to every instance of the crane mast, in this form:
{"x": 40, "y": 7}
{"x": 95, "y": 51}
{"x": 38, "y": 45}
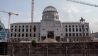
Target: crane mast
{"x": 32, "y": 10}
{"x": 94, "y": 5}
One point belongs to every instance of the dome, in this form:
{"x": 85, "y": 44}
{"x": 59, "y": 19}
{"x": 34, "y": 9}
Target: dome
{"x": 50, "y": 8}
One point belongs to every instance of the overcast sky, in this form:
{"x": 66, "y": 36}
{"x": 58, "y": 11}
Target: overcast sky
{"x": 68, "y": 11}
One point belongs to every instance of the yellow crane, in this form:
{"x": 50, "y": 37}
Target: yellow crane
{"x": 9, "y": 14}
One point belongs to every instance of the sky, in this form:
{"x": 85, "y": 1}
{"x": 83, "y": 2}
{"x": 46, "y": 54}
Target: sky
{"x": 68, "y": 11}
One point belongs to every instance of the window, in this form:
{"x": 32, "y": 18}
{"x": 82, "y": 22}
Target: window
{"x": 73, "y": 29}
{"x": 30, "y": 27}
{"x": 43, "y": 37}
{"x": 26, "y": 30}
{"x": 76, "y": 29}
{"x": 87, "y": 34}
{"x": 15, "y": 26}
{"x": 80, "y": 34}
{"x": 76, "y": 26}
{"x": 34, "y": 35}
{"x": 34, "y": 28}
{"x": 83, "y": 29}
{"x": 69, "y": 26}
{"x": 72, "y": 25}
{"x": 19, "y": 26}
{"x": 11, "y": 30}
{"x": 15, "y": 30}
{"x": 19, "y": 30}
{"x": 50, "y": 16}
{"x": 23, "y": 26}
{"x": 12, "y": 26}
{"x": 30, "y": 35}
{"x": 69, "y": 34}
{"x": 18, "y": 35}
{"x": 22, "y": 30}
{"x": 11, "y": 34}
{"x": 87, "y": 29}
{"x": 73, "y": 34}
{"x": 66, "y": 26}
{"x": 84, "y": 34}
{"x": 30, "y": 30}
{"x": 58, "y": 38}
{"x": 15, "y": 35}
{"x": 66, "y": 29}
{"x": 69, "y": 29}
{"x": 66, "y": 34}
{"x": 26, "y": 26}
{"x": 26, "y": 35}
{"x": 77, "y": 34}
{"x": 80, "y": 29}
{"x": 22, "y": 35}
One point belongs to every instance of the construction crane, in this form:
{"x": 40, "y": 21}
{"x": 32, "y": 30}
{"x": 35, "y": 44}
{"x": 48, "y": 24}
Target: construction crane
{"x": 94, "y": 5}
{"x": 9, "y": 14}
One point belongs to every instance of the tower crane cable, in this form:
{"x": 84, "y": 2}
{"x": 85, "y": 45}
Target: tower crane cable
{"x": 83, "y": 3}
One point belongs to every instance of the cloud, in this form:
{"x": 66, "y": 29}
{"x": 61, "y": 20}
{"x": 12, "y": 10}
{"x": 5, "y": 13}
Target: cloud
{"x": 73, "y": 9}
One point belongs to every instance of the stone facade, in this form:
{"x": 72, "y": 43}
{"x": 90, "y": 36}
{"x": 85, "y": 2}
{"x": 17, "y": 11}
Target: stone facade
{"x": 53, "y": 49}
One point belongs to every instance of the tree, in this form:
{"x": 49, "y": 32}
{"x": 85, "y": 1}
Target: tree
{"x": 33, "y": 43}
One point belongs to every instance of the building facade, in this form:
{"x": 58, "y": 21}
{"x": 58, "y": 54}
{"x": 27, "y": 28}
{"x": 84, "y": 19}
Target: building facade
{"x": 50, "y": 27}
